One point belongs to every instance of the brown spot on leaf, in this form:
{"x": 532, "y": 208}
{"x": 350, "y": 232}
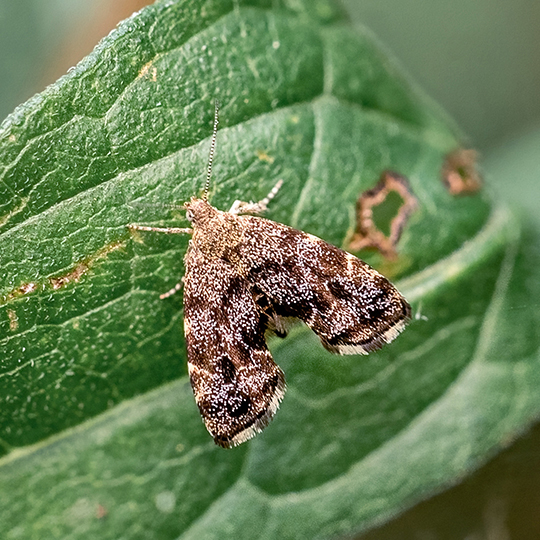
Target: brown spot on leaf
{"x": 459, "y": 173}
{"x": 27, "y": 288}
{"x": 263, "y": 156}
{"x": 148, "y": 71}
{"x": 57, "y": 282}
{"x": 74, "y": 275}
{"x": 101, "y": 512}
{"x": 13, "y": 320}
{"x": 21, "y": 290}
{"x": 368, "y": 234}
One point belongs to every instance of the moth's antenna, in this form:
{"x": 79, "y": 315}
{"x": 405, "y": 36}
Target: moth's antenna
{"x": 212, "y": 150}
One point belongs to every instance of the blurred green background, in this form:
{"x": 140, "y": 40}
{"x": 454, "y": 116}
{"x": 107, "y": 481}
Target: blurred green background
{"x": 480, "y": 60}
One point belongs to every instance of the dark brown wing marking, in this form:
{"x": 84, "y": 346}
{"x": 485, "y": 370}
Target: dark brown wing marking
{"x": 236, "y": 383}
{"x": 351, "y": 307}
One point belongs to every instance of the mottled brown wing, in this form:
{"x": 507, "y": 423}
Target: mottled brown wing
{"x": 350, "y": 306}
{"x": 236, "y": 383}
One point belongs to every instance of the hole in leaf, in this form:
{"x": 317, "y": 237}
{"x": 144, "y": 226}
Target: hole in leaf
{"x": 384, "y": 213}
{"x": 381, "y": 214}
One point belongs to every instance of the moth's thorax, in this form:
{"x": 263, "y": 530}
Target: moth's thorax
{"x": 215, "y": 233}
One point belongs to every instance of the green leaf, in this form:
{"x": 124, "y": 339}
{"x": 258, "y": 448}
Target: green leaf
{"x": 82, "y": 329}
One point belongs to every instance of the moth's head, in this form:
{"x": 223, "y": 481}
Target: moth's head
{"x": 199, "y": 211}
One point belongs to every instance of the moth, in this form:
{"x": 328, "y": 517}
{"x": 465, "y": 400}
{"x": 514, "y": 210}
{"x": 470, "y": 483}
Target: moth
{"x": 246, "y": 277}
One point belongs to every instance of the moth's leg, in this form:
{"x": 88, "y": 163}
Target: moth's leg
{"x": 174, "y": 290}
{"x": 167, "y": 230}
{"x": 240, "y": 207}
